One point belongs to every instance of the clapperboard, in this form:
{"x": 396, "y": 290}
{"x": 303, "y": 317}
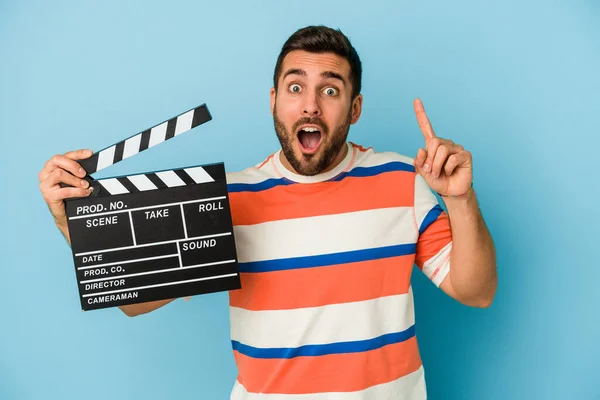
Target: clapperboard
{"x": 152, "y": 236}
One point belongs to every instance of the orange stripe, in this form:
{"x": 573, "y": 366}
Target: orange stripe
{"x": 436, "y": 236}
{"x": 324, "y": 198}
{"x": 333, "y": 284}
{"x": 329, "y": 373}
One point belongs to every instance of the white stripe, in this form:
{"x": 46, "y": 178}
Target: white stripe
{"x": 184, "y": 122}
{"x": 170, "y": 178}
{"x": 370, "y": 158}
{"x": 408, "y": 387}
{"x": 132, "y": 146}
{"x": 113, "y": 186}
{"x": 132, "y": 229}
{"x": 252, "y": 175}
{"x": 157, "y": 135}
{"x": 184, "y": 223}
{"x": 159, "y": 285}
{"x": 326, "y": 234}
{"x": 148, "y": 207}
{"x": 424, "y": 200}
{"x": 159, "y": 271}
{"x": 333, "y": 323}
{"x": 126, "y": 262}
{"x": 105, "y": 158}
{"x": 142, "y": 182}
{"x": 199, "y": 175}
{"x": 179, "y": 255}
{"x": 152, "y": 244}
{"x": 440, "y": 263}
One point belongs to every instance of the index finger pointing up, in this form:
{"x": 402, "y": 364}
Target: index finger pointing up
{"x": 423, "y": 121}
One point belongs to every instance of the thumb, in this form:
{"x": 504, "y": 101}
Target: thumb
{"x": 79, "y": 154}
{"x": 419, "y": 161}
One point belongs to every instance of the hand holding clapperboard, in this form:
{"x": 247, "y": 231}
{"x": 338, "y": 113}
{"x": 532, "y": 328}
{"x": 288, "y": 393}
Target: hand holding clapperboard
{"x": 152, "y": 236}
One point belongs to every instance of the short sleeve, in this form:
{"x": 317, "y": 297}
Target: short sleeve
{"x": 435, "y": 237}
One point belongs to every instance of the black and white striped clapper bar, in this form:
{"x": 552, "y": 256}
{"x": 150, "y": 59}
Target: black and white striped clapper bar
{"x": 152, "y": 236}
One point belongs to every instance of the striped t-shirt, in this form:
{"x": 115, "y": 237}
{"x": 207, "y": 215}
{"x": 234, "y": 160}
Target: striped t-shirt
{"x": 326, "y": 307}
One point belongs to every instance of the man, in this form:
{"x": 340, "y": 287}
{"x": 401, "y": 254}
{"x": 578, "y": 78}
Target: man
{"x": 327, "y": 233}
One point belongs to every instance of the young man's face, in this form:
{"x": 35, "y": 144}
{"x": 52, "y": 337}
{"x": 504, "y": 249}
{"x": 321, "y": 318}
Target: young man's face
{"x": 313, "y": 110}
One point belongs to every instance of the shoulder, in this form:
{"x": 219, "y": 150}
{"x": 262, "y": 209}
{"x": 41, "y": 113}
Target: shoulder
{"x": 382, "y": 162}
{"x": 254, "y": 174}
{"x": 369, "y": 157}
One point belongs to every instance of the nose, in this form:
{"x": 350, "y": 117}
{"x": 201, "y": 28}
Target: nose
{"x": 311, "y": 107}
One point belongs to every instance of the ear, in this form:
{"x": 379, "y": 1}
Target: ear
{"x": 356, "y": 109}
{"x": 273, "y": 95}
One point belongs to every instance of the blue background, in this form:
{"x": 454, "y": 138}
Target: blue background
{"x": 516, "y": 82}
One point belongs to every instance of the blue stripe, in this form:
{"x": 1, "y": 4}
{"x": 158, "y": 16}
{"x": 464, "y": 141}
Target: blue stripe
{"x": 328, "y": 259}
{"x": 361, "y": 172}
{"x": 430, "y": 218}
{"x": 257, "y": 187}
{"x": 313, "y": 350}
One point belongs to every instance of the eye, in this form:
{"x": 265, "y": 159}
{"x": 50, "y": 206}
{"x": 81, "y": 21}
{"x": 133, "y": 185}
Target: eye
{"x": 295, "y": 88}
{"x": 330, "y": 91}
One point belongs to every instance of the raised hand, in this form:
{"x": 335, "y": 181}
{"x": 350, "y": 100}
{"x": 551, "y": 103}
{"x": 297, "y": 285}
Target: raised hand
{"x": 446, "y": 167}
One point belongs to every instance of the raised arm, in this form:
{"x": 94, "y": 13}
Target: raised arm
{"x": 447, "y": 168}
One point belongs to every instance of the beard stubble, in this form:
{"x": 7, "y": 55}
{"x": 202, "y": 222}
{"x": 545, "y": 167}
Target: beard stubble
{"x": 312, "y": 164}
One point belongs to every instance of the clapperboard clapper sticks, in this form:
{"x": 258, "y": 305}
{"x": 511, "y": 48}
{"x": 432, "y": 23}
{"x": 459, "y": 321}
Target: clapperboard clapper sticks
{"x": 152, "y": 236}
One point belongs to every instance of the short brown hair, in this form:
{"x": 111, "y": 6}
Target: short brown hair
{"x": 321, "y": 39}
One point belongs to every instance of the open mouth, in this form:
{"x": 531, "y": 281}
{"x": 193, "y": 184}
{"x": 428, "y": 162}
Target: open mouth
{"x": 309, "y": 138}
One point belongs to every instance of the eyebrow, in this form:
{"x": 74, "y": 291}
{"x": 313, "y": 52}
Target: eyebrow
{"x": 324, "y": 74}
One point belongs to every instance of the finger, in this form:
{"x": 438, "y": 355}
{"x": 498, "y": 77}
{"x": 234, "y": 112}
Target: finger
{"x": 432, "y": 146}
{"x": 441, "y": 156}
{"x": 59, "y": 175}
{"x": 450, "y": 148}
{"x": 57, "y": 196}
{"x": 420, "y": 158}
{"x": 79, "y": 154}
{"x": 423, "y": 121}
{"x": 455, "y": 160}
{"x": 55, "y": 200}
{"x": 61, "y": 161}
{"x": 420, "y": 161}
